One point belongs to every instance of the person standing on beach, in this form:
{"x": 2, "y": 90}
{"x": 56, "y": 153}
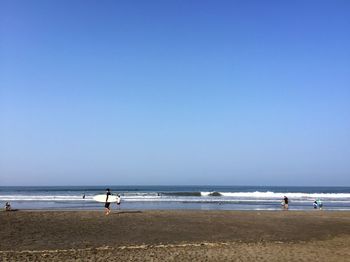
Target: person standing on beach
{"x": 107, "y": 204}
{"x": 285, "y": 206}
{"x": 7, "y": 206}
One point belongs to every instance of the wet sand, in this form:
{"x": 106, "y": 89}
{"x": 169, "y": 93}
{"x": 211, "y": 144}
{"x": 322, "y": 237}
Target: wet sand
{"x": 175, "y": 236}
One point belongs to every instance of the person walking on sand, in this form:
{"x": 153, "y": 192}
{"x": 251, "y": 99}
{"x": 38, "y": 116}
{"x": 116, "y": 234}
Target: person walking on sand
{"x": 286, "y": 201}
{"x": 107, "y": 204}
{"x": 118, "y": 201}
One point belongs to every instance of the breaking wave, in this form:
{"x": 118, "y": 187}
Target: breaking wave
{"x": 187, "y": 196}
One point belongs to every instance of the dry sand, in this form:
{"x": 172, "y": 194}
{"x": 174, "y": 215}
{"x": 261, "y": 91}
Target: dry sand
{"x": 175, "y": 236}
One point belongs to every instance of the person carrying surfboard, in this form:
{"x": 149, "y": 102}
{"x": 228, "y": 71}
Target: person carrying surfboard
{"x": 107, "y": 204}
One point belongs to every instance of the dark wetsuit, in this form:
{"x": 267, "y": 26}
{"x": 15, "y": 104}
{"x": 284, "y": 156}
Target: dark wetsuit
{"x": 286, "y": 200}
{"x": 107, "y": 204}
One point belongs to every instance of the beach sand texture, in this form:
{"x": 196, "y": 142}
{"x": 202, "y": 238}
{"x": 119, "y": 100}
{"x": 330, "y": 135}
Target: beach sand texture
{"x": 175, "y": 236}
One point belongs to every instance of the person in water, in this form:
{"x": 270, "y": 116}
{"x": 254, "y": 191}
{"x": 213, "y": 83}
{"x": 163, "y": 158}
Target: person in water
{"x": 107, "y": 204}
{"x": 285, "y": 201}
{"x": 315, "y": 204}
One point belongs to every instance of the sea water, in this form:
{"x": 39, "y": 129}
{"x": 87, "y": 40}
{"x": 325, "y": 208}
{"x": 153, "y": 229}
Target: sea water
{"x": 177, "y": 197}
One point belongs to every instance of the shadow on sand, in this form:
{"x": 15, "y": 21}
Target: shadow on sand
{"x": 126, "y": 212}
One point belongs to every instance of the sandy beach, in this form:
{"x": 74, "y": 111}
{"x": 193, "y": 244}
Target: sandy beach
{"x": 175, "y": 236}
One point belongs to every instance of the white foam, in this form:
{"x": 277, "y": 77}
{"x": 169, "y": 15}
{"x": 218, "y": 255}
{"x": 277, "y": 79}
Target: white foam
{"x": 276, "y": 195}
{"x": 42, "y": 198}
{"x": 257, "y": 196}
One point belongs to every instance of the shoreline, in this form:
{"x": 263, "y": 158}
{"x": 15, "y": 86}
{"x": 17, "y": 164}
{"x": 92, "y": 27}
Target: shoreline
{"x": 101, "y": 209}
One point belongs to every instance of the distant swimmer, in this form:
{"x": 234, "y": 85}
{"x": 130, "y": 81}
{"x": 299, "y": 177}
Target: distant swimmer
{"x": 84, "y": 196}
{"x": 285, "y": 203}
{"x": 107, "y": 204}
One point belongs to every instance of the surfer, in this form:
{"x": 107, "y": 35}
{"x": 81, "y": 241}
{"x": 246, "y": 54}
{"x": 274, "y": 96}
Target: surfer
{"x": 107, "y": 204}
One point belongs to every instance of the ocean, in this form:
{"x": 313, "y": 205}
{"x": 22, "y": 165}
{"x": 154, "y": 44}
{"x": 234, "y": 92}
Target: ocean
{"x": 177, "y": 197}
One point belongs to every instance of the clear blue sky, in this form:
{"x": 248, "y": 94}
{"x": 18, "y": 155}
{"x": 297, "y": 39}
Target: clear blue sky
{"x": 175, "y": 92}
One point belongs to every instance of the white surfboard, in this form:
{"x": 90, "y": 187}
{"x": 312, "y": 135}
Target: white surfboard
{"x": 102, "y": 198}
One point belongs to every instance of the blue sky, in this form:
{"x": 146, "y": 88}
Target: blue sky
{"x": 175, "y": 92}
